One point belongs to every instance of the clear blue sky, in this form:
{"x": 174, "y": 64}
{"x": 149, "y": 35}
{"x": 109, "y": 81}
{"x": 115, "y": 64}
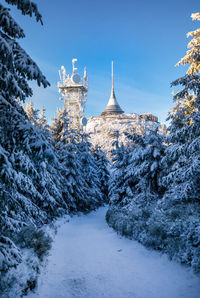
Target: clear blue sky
{"x": 144, "y": 38}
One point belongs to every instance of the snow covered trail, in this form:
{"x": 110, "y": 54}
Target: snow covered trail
{"x": 89, "y": 260}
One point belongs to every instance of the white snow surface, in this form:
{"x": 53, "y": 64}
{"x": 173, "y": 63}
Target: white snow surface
{"x": 102, "y": 129}
{"x": 90, "y": 260}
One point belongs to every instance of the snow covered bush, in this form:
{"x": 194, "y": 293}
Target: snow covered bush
{"x": 10, "y": 257}
{"x": 32, "y": 237}
{"x": 134, "y": 188}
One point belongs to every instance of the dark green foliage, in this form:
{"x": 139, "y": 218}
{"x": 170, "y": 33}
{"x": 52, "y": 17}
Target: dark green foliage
{"x": 103, "y": 171}
{"x": 32, "y": 237}
{"x": 89, "y": 172}
{"x": 30, "y": 285}
{"x": 10, "y": 255}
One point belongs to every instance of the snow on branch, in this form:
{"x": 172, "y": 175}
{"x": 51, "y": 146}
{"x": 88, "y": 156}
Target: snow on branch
{"x": 8, "y": 24}
{"x": 27, "y": 8}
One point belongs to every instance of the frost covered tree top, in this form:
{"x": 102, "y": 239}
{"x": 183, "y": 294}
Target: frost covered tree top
{"x": 16, "y": 66}
{"x": 193, "y": 55}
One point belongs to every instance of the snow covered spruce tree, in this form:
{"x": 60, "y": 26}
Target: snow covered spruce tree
{"x": 138, "y": 190}
{"x": 74, "y": 185}
{"x": 57, "y": 126}
{"x": 42, "y": 120}
{"x": 89, "y": 172}
{"x": 103, "y": 171}
{"x": 119, "y": 156}
{"x": 81, "y": 182}
{"x": 32, "y": 112}
{"x": 175, "y": 221}
{"x": 29, "y": 180}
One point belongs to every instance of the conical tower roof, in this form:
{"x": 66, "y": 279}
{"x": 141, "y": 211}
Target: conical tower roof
{"x": 112, "y": 107}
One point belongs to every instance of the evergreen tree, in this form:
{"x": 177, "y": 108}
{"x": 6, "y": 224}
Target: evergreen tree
{"x": 32, "y": 113}
{"x": 16, "y": 66}
{"x": 81, "y": 185}
{"x": 73, "y": 182}
{"x": 29, "y": 180}
{"x": 103, "y": 171}
{"x": 159, "y": 202}
{"x": 89, "y": 171}
{"x": 119, "y": 163}
{"x": 57, "y": 126}
{"x": 135, "y": 186}
{"x": 42, "y": 121}
{"x": 182, "y": 154}
{"x": 175, "y": 220}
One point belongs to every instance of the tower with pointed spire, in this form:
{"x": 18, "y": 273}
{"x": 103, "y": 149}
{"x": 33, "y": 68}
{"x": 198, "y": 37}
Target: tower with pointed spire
{"x": 112, "y": 107}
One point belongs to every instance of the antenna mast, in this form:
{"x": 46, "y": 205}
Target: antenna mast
{"x": 74, "y": 93}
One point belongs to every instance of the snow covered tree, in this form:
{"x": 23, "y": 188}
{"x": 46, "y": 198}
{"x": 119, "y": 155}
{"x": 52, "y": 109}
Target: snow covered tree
{"x": 103, "y": 171}
{"x": 81, "y": 184}
{"x": 30, "y": 182}
{"x": 141, "y": 164}
{"x": 182, "y": 154}
{"x": 143, "y": 171}
{"x": 42, "y": 120}
{"x": 192, "y": 56}
{"x": 74, "y": 186}
{"x": 135, "y": 188}
{"x": 32, "y": 112}
{"x": 160, "y": 203}
{"x": 16, "y": 66}
{"x": 117, "y": 182}
{"x": 175, "y": 220}
{"x": 89, "y": 172}
{"x": 70, "y": 168}
{"x": 57, "y": 126}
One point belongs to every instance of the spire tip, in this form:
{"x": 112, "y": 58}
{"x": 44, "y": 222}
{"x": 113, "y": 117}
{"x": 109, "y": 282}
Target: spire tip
{"x": 112, "y": 77}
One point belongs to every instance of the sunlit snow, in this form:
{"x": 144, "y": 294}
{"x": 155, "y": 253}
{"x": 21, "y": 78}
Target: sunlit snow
{"x": 102, "y": 130}
{"x": 89, "y": 259}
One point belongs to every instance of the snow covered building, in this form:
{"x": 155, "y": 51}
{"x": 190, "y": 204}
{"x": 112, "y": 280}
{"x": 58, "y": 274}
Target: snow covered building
{"x": 103, "y": 128}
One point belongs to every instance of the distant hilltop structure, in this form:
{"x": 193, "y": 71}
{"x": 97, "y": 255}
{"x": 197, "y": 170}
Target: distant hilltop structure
{"x": 103, "y": 128}
{"x": 74, "y": 90}
{"x": 112, "y": 107}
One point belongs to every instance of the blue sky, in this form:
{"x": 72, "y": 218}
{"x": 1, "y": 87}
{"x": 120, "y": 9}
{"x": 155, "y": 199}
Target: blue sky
{"x": 144, "y": 38}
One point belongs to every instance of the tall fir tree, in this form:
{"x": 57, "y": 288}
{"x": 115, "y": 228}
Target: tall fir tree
{"x": 182, "y": 155}
{"x": 119, "y": 156}
{"x": 32, "y": 113}
{"x": 160, "y": 207}
{"x": 42, "y": 120}
{"x": 74, "y": 186}
{"x": 89, "y": 171}
{"x": 135, "y": 186}
{"x": 176, "y": 217}
{"x": 57, "y": 126}
{"x": 29, "y": 181}
{"x": 103, "y": 171}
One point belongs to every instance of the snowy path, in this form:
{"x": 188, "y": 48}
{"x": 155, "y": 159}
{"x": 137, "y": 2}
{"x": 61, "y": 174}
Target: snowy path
{"x": 89, "y": 260}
